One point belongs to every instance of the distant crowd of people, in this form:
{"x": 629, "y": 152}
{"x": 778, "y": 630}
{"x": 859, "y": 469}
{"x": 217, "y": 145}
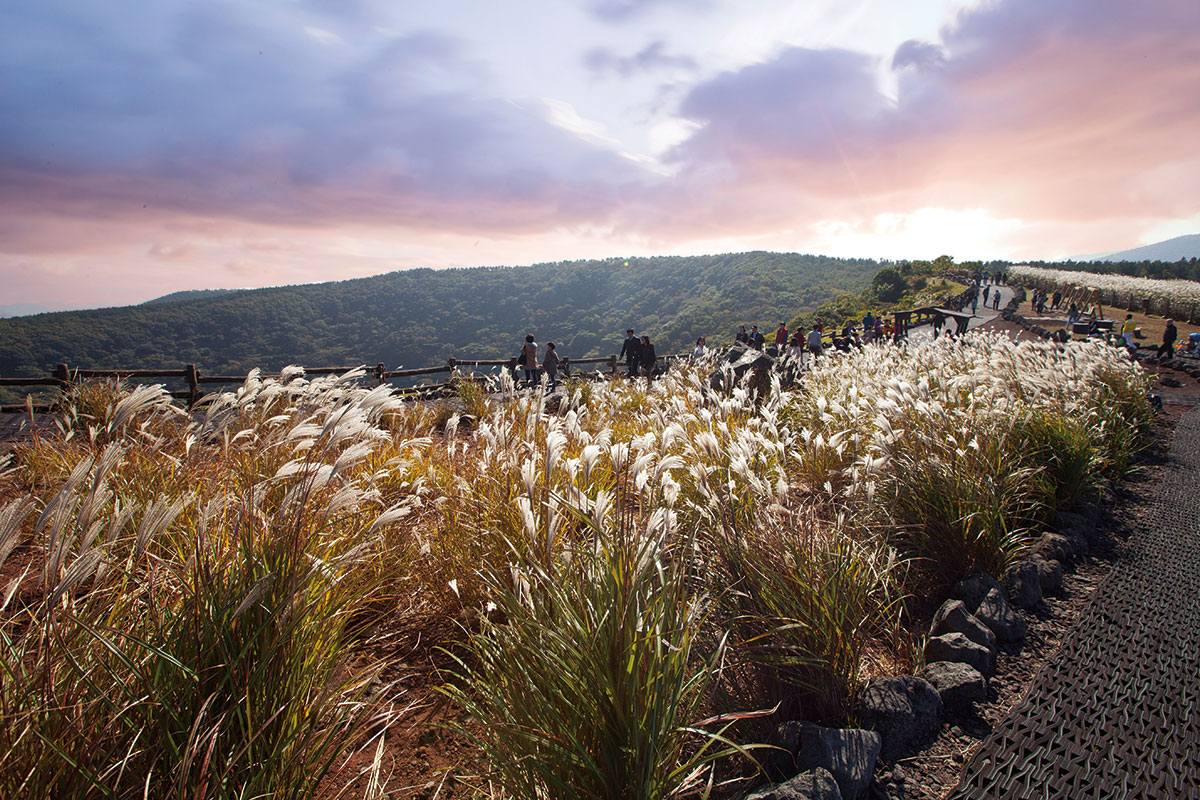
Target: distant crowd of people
{"x": 641, "y": 359}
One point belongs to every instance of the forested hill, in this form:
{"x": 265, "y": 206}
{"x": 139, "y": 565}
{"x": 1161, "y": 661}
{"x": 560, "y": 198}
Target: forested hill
{"x": 421, "y": 317}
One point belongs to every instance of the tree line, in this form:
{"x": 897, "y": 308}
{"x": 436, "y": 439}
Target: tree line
{"x": 415, "y": 318}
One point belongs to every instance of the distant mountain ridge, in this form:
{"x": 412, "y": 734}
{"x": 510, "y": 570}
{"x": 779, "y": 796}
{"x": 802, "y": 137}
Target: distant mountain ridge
{"x": 1168, "y": 250}
{"x": 188, "y": 295}
{"x": 421, "y": 317}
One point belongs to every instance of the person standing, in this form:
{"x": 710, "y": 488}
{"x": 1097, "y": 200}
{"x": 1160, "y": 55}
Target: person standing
{"x": 1127, "y": 329}
{"x": 996, "y": 299}
{"x": 742, "y": 336}
{"x": 529, "y": 353}
{"x": 1168, "y": 343}
{"x": 975, "y": 303}
{"x": 700, "y": 350}
{"x": 757, "y": 340}
{"x": 868, "y": 326}
{"x": 648, "y": 357}
{"x": 781, "y": 337}
{"x": 795, "y": 352}
{"x": 631, "y": 351}
{"x": 986, "y": 291}
{"x": 550, "y": 365}
{"x": 814, "y": 343}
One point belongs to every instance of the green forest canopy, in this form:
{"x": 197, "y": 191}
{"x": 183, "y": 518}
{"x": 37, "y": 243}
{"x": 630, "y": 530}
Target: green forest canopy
{"x": 421, "y": 317}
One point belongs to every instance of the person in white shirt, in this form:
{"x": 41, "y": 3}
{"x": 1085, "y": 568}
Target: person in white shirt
{"x": 814, "y": 342}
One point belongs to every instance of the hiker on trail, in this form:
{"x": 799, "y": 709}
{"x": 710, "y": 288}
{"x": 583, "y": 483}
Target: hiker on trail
{"x": 550, "y": 365}
{"x": 1072, "y": 314}
{"x": 529, "y": 359}
{"x": 756, "y": 337}
{"x": 815, "y": 346}
{"x": 742, "y": 336}
{"x": 648, "y": 357}
{"x": 975, "y": 303}
{"x": 631, "y": 351}
{"x": 699, "y": 351}
{"x": 781, "y": 336}
{"x": 986, "y": 291}
{"x": 1168, "y": 343}
{"x": 868, "y": 325}
{"x": 996, "y": 299}
{"x": 1056, "y": 300}
{"x": 1127, "y": 329}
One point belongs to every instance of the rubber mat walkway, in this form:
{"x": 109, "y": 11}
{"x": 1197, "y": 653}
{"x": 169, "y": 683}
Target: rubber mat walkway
{"x": 1116, "y": 712}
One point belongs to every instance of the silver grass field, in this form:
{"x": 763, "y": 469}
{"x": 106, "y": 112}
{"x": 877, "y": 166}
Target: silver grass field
{"x": 634, "y": 576}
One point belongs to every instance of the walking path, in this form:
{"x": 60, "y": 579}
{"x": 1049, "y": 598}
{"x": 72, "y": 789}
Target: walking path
{"x": 982, "y": 317}
{"x": 1116, "y": 712}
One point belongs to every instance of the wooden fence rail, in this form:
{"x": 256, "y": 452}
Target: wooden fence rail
{"x": 65, "y": 376}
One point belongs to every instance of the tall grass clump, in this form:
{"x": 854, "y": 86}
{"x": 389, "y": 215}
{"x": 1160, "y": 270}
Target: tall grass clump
{"x": 961, "y": 446}
{"x": 196, "y": 646}
{"x": 805, "y": 601}
{"x": 960, "y": 507}
{"x": 588, "y": 679}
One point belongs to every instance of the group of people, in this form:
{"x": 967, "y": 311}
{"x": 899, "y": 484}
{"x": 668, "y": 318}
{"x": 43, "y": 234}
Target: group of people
{"x": 791, "y": 344}
{"x": 528, "y": 362}
{"x": 639, "y": 355}
{"x": 1039, "y": 298}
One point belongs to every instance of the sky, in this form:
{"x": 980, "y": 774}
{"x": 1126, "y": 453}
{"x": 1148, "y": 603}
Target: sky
{"x": 154, "y": 146}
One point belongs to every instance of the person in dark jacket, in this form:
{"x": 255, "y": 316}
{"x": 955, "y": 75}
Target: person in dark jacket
{"x": 529, "y": 359}
{"x": 742, "y": 336}
{"x": 1168, "y": 343}
{"x": 648, "y": 357}
{"x": 631, "y": 351}
{"x": 550, "y": 365}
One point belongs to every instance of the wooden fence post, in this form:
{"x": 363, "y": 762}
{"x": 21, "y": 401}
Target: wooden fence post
{"x": 193, "y": 381}
{"x": 380, "y": 372}
{"x": 566, "y": 367}
{"x": 612, "y": 365}
{"x": 62, "y": 373}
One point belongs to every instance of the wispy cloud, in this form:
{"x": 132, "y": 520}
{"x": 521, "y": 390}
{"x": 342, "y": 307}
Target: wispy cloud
{"x": 187, "y": 131}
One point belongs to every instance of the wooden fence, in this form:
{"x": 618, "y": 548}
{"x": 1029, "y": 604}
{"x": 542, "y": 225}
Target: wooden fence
{"x": 63, "y": 376}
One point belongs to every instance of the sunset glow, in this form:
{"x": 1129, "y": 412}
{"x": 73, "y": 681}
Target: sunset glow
{"x": 149, "y": 148}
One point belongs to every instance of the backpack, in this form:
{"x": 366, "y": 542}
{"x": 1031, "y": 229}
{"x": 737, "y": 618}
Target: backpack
{"x": 521, "y": 358}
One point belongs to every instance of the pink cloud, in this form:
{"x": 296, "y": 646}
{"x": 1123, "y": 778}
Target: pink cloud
{"x": 202, "y": 164}
{"x": 1067, "y": 111}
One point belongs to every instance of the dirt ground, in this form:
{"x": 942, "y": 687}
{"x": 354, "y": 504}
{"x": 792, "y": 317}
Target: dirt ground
{"x": 1150, "y": 327}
